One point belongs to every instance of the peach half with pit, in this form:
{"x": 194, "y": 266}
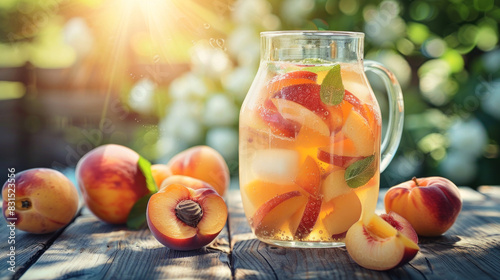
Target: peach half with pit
{"x": 204, "y": 163}
{"x": 182, "y": 218}
{"x": 375, "y": 244}
{"x": 39, "y": 200}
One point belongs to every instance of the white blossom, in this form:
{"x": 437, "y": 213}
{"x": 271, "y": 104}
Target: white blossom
{"x": 238, "y": 82}
{"x": 141, "y": 97}
{"x": 220, "y": 111}
{"x": 78, "y": 35}
{"x": 224, "y": 140}
{"x": 188, "y": 86}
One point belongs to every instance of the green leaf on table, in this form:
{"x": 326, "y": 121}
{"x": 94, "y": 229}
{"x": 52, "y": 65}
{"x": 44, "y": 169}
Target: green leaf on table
{"x": 332, "y": 88}
{"x": 137, "y": 217}
{"x": 145, "y": 167}
{"x": 360, "y": 172}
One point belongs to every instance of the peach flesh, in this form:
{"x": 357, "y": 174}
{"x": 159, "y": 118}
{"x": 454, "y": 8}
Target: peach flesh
{"x": 377, "y": 245}
{"x": 184, "y": 219}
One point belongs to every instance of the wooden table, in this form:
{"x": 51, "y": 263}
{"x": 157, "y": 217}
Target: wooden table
{"x": 91, "y": 249}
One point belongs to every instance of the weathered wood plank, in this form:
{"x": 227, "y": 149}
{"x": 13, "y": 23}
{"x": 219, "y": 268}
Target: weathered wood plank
{"x": 492, "y": 192}
{"x": 470, "y": 249}
{"x": 91, "y": 249}
{"x": 28, "y": 247}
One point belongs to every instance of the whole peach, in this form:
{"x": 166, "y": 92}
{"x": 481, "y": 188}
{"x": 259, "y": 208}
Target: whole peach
{"x": 204, "y": 163}
{"x": 160, "y": 172}
{"x": 39, "y": 200}
{"x": 431, "y": 205}
{"x": 111, "y": 182}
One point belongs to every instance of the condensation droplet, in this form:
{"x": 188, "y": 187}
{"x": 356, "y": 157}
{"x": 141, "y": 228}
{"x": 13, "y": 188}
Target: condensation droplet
{"x": 156, "y": 58}
{"x": 206, "y": 26}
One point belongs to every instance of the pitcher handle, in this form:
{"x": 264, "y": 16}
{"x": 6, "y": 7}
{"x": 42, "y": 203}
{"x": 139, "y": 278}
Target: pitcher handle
{"x": 394, "y": 131}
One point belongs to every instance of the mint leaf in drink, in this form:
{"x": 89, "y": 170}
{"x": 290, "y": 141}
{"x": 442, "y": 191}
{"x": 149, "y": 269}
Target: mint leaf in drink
{"x": 332, "y": 88}
{"x": 360, "y": 172}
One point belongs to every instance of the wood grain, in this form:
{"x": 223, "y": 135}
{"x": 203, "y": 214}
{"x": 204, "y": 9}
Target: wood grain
{"x": 91, "y": 249}
{"x": 28, "y": 248}
{"x": 470, "y": 249}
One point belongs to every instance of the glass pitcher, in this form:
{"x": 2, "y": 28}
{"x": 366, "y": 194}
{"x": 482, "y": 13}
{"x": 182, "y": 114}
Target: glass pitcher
{"x": 310, "y": 138}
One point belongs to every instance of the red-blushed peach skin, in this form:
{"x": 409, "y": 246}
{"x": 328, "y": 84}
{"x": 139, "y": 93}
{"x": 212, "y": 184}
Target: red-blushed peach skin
{"x": 431, "y": 207}
{"x": 174, "y": 233}
{"x": 111, "y": 182}
{"x": 50, "y": 200}
{"x": 401, "y": 224}
{"x": 204, "y": 163}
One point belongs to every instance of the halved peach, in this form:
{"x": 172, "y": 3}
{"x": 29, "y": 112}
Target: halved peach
{"x": 268, "y": 219}
{"x": 375, "y": 244}
{"x": 185, "y": 219}
{"x": 401, "y": 224}
{"x": 346, "y": 211}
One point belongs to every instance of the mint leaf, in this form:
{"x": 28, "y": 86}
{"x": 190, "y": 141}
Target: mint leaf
{"x": 137, "y": 217}
{"x": 145, "y": 167}
{"x": 332, "y": 88}
{"x": 360, "y": 172}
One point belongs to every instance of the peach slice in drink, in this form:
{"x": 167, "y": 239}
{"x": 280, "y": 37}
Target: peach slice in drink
{"x": 345, "y": 211}
{"x": 334, "y": 185}
{"x": 269, "y": 218}
{"x": 297, "y": 113}
{"x": 309, "y": 178}
{"x": 357, "y": 130}
{"x": 291, "y": 78}
{"x": 307, "y": 95}
{"x": 258, "y": 191}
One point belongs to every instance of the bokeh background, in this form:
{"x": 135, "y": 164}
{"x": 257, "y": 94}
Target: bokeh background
{"x": 160, "y": 76}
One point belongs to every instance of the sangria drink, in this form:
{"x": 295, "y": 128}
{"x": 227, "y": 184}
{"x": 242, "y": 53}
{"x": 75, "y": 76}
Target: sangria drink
{"x": 310, "y": 140}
